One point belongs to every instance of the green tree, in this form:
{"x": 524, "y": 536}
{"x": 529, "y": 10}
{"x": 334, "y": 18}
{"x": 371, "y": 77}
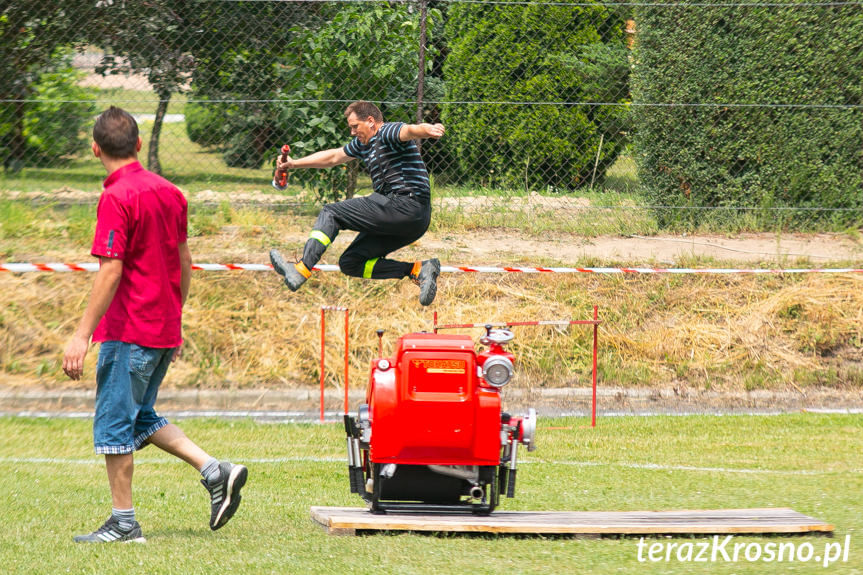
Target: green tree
{"x": 32, "y": 34}
{"x": 235, "y": 80}
{"x": 54, "y": 122}
{"x": 366, "y": 51}
{"x": 545, "y": 58}
{"x": 155, "y": 38}
{"x": 276, "y": 73}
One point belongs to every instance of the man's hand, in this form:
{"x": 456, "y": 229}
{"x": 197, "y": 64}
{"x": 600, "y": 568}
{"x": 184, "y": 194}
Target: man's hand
{"x": 322, "y": 159}
{"x": 178, "y": 351}
{"x": 434, "y": 130}
{"x": 73, "y": 360}
{"x": 282, "y": 167}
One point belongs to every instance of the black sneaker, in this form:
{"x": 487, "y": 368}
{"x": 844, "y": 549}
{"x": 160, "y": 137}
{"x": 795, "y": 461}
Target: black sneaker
{"x": 110, "y": 532}
{"x": 225, "y": 493}
{"x": 293, "y": 277}
{"x": 427, "y": 280}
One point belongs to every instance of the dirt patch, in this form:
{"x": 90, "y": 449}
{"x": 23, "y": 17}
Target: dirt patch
{"x": 532, "y": 201}
{"x": 633, "y": 251}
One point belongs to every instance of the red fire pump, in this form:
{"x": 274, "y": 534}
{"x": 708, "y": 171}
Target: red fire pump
{"x": 431, "y": 435}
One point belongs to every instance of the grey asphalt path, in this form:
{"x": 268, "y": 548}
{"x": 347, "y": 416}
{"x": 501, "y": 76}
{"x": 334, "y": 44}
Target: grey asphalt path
{"x": 304, "y": 404}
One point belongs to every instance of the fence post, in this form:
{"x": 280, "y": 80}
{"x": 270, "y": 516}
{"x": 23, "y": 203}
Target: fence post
{"x": 421, "y": 73}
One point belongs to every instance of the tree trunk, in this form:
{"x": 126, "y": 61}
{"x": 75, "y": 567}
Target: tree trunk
{"x": 153, "y": 150}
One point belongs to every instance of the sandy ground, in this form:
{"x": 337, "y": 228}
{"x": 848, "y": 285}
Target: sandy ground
{"x": 660, "y": 250}
{"x": 500, "y": 247}
{"x": 496, "y": 247}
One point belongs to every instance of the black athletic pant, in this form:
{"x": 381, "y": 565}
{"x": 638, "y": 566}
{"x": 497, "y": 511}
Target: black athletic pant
{"x": 385, "y": 223}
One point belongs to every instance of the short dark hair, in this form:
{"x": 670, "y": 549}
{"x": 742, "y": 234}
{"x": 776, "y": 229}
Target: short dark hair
{"x": 116, "y": 133}
{"x": 363, "y": 110}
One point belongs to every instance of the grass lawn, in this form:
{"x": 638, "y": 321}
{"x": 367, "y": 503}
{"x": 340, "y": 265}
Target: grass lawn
{"x": 55, "y": 488}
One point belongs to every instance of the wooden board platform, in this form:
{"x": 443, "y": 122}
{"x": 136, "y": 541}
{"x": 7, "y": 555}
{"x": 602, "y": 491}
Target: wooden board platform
{"x": 349, "y": 520}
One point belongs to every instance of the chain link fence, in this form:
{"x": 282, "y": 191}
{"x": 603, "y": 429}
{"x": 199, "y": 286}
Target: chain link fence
{"x": 590, "y": 117}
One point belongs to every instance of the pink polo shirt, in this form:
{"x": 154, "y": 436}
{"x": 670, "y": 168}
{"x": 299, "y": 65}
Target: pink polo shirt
{"x": 141, "y": 219}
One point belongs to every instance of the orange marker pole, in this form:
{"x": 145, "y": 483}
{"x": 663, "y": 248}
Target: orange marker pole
{"x": 595, "y": 337}
{"x": 347, "y": 367}
{"x": 323, "y": 343}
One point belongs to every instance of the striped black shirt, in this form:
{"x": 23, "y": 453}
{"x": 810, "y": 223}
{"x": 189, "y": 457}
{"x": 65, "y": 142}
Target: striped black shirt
{"x": 394, "y": 166}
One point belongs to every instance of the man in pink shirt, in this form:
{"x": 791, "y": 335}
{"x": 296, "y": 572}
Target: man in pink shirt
{"x": 135, "y": 310}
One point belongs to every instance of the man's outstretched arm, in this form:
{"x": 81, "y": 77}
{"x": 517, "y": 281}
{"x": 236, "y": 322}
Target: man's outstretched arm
{"x": 421, "y": 131}
{"x": 322, "y": 159}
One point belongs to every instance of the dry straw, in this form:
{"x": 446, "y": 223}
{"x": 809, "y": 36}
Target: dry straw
{"x": 244, "y": 329}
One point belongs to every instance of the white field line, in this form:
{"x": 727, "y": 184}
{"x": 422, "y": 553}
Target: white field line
{"x": 342, "y": 460}
{"x": 656, "y": 467}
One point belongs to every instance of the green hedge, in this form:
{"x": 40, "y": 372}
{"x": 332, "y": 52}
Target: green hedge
{"x": 535, "y": 53}
{"x": 776, "y": 123}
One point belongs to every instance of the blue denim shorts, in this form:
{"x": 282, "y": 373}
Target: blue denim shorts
{"x": 127, "y": 383}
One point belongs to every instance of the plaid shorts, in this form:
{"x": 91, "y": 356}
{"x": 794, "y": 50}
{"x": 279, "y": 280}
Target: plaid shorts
{"x": 127, "y": 383}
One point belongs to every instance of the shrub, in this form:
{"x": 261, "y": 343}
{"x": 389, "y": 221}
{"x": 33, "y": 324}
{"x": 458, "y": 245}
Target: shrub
{"x": 205, "y": 122}
{"x": 535, "y": 54}
{"x": 361, "y": 51}
{"x": 54, "y": 123}
{"x": 775, "y": 123}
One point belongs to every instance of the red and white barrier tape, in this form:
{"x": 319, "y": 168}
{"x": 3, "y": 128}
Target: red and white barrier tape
{"x": 93, "y": 266}
{"x": 481, "y": 269}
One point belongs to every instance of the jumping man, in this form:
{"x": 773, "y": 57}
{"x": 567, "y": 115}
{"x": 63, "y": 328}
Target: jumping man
{"x": 396, "y": 214}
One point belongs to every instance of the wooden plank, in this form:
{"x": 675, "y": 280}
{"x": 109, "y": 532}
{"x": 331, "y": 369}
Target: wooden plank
{"x": 348, "y": 520}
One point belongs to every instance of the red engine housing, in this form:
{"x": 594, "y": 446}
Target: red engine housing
{"x": 430, "y": 408}
{"x": 432, "y": 434}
